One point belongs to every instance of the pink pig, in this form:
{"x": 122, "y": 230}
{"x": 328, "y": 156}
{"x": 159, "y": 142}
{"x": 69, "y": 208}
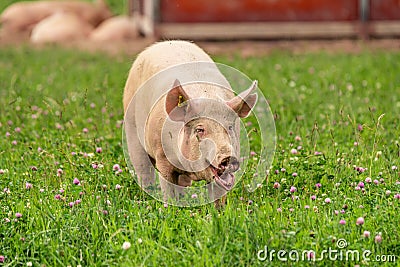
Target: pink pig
{"x": 59, "y": 28}
{"x": 203, "y": 148}
{"x": 115, "y": 29}
{"x": 22, "y": 16}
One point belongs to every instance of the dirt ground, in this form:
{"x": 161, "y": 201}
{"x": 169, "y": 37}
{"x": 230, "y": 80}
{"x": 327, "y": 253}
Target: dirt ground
{"x": 244, "y": 48}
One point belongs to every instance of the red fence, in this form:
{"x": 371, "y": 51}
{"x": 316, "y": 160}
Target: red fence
{"x": 195, "y": 11}
{"x": 273, "y": 18}
{"x": 384, "y": 10}
{"x": 257, "y": 10}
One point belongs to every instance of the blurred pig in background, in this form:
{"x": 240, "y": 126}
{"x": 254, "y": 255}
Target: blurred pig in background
{"x": 23, "y": 16}
{"x": 61, "y": 27}
{"x": 116, "y": 29}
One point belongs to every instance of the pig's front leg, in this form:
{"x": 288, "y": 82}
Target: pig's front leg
{"x": 217, "y": 194}
{"x": 166, "y": 170}
{"x": 183, "y": 181}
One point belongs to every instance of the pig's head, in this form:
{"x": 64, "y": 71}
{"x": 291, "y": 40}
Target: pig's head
{"x": 211, "y": 141}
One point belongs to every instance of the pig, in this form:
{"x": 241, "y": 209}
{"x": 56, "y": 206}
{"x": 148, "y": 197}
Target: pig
{"x": 23, "y": 16}
{"x": 115, "y": 29}
{"x": 59, "y": 28}
{"x": 212, "y": 144}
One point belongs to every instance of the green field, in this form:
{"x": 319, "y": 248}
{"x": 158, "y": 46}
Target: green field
{"x": 58, "y": 106}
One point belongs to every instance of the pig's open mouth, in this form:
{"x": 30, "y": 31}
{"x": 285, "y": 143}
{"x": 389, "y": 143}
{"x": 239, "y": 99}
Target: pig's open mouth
{"x": 223, "y": 178}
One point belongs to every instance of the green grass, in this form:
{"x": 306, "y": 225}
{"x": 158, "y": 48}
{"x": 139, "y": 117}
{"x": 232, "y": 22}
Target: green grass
{"x": 323, "y": 99}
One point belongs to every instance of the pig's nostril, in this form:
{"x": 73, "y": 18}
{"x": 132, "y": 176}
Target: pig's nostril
{"x": 224, "y": 163}
{"x": 234, "y": 164}
{"x": 230, "y": 163}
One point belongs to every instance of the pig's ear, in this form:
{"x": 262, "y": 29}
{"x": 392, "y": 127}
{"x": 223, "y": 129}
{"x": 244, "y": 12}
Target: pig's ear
{"x": 244, "y": 102}
{"x": 175, "y": 102}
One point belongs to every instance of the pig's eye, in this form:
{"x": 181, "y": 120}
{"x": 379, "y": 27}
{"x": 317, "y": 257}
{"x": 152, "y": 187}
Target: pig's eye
{"x": 230, "y": 127}
{"x": 199, "y": 131}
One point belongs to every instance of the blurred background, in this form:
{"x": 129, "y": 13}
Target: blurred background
{"x": 259, "y": 19}
{"x": 276, "y": 18}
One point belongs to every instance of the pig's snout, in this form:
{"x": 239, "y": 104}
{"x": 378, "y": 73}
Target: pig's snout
{"x": 229, "y": 164}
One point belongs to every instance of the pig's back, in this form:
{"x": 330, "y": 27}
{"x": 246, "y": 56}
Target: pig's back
{"x": 168, "y": 53}
{"x": 158, "y": 57}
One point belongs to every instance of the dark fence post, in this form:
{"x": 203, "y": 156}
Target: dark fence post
{"x": 364, "y": 32}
